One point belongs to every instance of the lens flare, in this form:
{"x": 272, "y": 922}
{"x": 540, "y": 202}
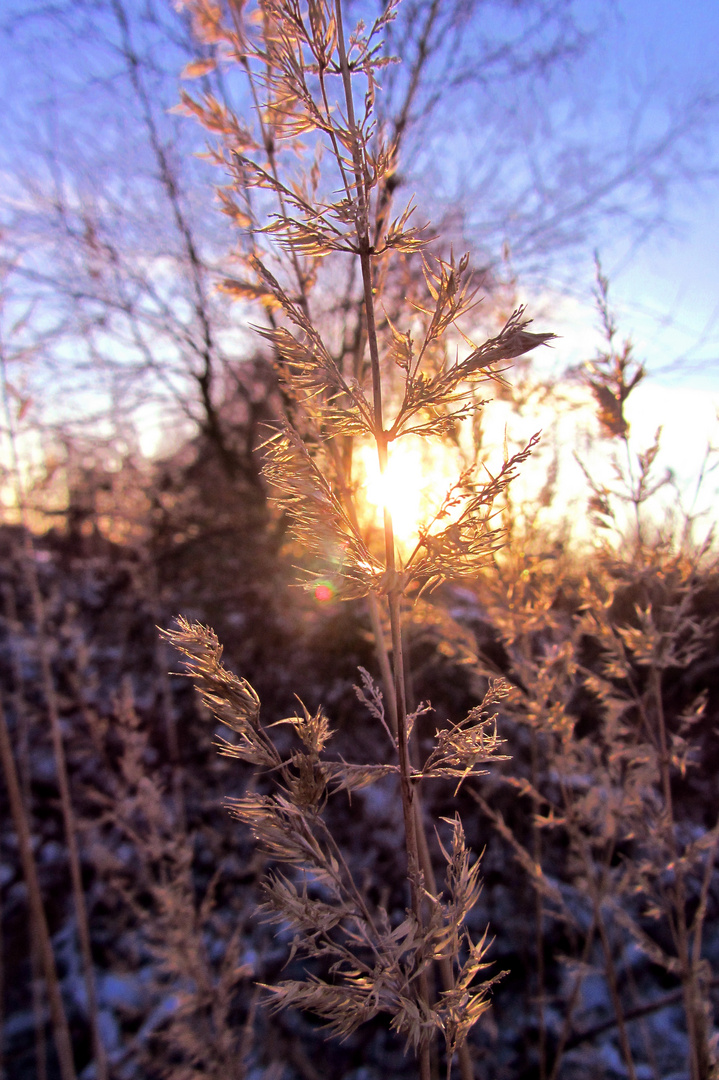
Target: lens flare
{"x": 323, "y": 592}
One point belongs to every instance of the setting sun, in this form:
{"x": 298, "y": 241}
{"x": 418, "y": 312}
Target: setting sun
{"x": 418, "y": 477}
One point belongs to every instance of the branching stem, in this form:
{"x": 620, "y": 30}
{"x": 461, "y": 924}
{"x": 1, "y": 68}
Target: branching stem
{"x": 394, "y": 591}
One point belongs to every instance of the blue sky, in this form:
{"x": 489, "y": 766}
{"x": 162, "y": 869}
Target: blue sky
{"x": 667, "y": 290}
{"x": 651, "y": 55}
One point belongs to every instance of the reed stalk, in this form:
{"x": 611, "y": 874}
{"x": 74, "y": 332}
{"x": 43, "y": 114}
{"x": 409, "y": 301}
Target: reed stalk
{"x": 58, "y": 744}
{"x": 61, "y": 1030}
{"x": 294, "y": 57}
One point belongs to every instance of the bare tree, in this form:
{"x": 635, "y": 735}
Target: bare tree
{"x": 109, "y": 230}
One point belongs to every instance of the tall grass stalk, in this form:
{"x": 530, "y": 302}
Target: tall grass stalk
{"x": 61, "y": 1030}
{"x": 619, "y": 641}
{"x": 22, "y": 740}
{"x": 51, "y": 702}
{"x": 314, "y": 89}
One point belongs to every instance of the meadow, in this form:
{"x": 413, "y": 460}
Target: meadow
{"x": 325, "y": 756}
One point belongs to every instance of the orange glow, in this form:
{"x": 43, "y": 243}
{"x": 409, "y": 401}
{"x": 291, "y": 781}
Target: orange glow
{"x": 417, "y": 478}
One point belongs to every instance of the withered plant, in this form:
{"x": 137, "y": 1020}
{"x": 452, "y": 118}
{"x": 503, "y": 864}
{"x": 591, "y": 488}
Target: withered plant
{"x": 20, "y": 800}
{"x": 191, "y": 1028}
{"x": 612, "y": 376}
{"x": 312, "y": 178}
{"x": 602, "y": 661}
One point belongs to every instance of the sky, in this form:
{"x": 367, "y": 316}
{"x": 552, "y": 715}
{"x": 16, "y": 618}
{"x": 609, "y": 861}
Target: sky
{"x": 667, "y": 289}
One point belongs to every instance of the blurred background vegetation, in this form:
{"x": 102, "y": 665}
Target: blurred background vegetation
{"x": 136, "y": 400}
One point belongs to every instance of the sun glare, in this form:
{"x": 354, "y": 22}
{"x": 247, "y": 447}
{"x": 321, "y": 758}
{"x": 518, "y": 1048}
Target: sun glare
{"x": 417, "y": 478}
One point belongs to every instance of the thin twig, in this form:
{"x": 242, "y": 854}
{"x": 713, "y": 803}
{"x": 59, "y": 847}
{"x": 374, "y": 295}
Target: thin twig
{"x": 48, "y": 686}
{"x": 61, "y": 1030}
